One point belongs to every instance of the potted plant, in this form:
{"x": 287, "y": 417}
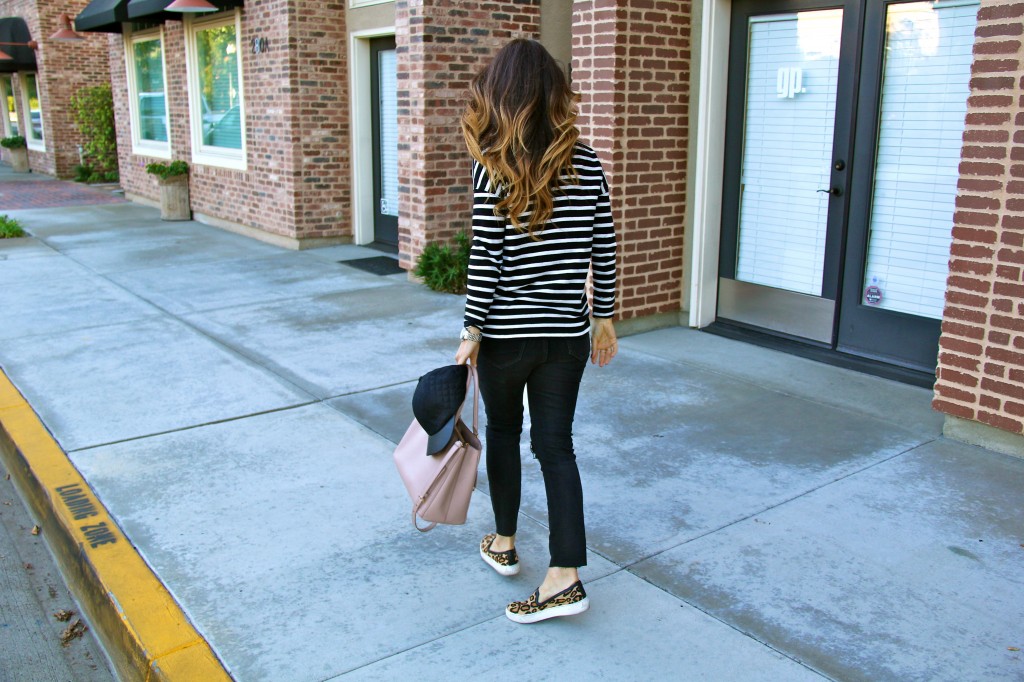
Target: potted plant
{"x": 173, "y": 180}
{"x": 17, "y": 152}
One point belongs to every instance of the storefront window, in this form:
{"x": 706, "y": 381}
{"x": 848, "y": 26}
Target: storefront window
{"x": 34, "y": 128}
{"x": 215, "y": 82}
{"x": 149, "y": 99}
{"x": 10, "y": 112}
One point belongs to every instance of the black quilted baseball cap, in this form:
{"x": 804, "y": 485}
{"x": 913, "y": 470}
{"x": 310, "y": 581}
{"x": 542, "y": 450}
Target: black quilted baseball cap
{"x": 436, "y": 402}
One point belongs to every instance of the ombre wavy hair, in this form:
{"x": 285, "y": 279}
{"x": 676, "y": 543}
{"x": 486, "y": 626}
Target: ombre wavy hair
{"x": 520, "y": 124}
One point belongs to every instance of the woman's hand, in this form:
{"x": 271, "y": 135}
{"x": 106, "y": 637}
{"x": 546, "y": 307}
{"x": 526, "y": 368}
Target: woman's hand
{"x": 604, "y": 345}
{"x": 468, "y": 350}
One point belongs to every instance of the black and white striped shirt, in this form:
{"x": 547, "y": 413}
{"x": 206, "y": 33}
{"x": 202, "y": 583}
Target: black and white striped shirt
{"x": 519, "y": 287}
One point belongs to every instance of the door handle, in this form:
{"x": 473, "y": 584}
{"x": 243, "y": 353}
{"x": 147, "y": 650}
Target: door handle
{"x": 835, "y": 191}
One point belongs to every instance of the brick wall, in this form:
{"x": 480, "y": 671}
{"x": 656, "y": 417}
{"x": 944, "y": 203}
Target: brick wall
{"x": 63, "y": 69}
{"x": 297, "y": 183}
{"x": 981, "y": 351}
{"x": 441, "y": 44}
{"x": 321, "y": 116}
{"x": 631, "y": 62}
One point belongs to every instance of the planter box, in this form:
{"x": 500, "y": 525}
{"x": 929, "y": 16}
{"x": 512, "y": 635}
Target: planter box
{"x": 174, "y": 204}
{"x": 19, "y": 159}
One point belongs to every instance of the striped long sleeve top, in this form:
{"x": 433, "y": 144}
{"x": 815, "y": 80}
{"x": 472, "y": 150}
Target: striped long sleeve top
{"x": 519, "y": 287}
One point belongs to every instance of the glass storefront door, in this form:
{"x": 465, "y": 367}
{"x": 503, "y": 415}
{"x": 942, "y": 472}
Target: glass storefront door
{"x": 916, "y": 67}
{"x": 384, "y": 111}
{"x": 843, "y": 140}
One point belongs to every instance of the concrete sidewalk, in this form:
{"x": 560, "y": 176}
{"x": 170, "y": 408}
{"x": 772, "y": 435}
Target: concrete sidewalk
{"x": 233, "y": 406}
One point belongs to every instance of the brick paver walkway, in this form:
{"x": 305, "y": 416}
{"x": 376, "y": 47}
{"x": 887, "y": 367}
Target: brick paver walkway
{"x": 48, "y": 193}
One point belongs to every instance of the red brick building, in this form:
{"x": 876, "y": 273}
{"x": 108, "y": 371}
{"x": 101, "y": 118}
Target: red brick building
{"x": 840, "y": 180}
{"x": 36, "y": 85}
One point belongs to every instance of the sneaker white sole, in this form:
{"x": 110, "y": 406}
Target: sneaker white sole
{"x": 503, "y": 570}
{"x": 553, "y": 612}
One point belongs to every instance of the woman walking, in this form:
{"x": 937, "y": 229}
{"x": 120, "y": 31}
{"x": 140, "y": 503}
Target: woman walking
{"x": 541, "y": 221}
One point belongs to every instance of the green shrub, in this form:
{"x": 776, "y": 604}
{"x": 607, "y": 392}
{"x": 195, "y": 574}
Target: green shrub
{"x": 167, "y": 170}
{"x": 10, "y": 228}
{"x": 83, "y": 173}
{"x": 13, "y": 142}
{"x": 93, "y": 108}
{"x": 443, "y": 267}
{"x": 92, "y": 176}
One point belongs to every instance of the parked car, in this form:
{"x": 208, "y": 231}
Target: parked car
{"x": 227, "y": 131}
{"x": 153, "y": 116}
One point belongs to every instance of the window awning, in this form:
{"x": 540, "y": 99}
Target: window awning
{"x": 15, "y": 30}
{"x": 102, "y": 16}
{"x": 153, "y": 10}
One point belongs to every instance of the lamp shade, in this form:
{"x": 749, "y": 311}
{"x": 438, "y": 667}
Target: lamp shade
{"x": 190, "y": 6}
{"x": 4, "y": 55}
{"x": 66, "y": 33}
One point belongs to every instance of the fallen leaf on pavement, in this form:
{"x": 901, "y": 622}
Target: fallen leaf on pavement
{"x": 73, "y": 631}
{"x": 63, "y": 615}
{"x": 1013, "y": 648}
{"x": 36, "y": 530}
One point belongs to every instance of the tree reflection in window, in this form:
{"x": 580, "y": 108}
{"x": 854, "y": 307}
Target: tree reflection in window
{"x": 149, "y": 81}
{"x": 35, "y": 109}
{"x": 219, "y": 87}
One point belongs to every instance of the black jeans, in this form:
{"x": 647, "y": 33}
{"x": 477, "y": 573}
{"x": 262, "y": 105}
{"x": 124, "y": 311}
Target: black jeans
{"x": 550, "y": 369}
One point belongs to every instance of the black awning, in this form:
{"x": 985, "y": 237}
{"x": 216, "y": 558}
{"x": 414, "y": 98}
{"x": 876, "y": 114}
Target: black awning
{"x": 15, "y": 30}
{"x": 153, "y": 10}
{"x": 102, "y": 16}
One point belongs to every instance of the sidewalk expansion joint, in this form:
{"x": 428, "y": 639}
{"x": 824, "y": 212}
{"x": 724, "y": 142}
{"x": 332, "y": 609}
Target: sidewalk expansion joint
{"x": 786, "y": 501}
{"x": 773, "y": 389}
{"x": 191, "y": 427}
{"x": 145, "y": 632}
{"x": 630, "y": 566}
{"x": 259, "y": 362}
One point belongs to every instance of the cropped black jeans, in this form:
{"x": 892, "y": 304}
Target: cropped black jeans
{"x": 550, "y": 369}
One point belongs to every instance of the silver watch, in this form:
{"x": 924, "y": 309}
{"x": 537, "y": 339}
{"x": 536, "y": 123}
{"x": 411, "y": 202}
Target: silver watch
{"x": 467, "y": 335}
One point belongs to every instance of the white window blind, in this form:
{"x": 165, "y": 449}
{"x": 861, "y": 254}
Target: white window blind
{"x": 924, "y": 103}
{"x": 792, "y": 70}
{"x": 388, "y": 70}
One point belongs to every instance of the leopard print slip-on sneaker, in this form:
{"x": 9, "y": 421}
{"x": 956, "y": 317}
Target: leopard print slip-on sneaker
{"x": 505, "y": 563}
{"x": 568, "y": 602}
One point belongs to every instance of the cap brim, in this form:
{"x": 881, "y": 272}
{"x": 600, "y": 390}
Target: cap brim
{"x": 439, "y": 441}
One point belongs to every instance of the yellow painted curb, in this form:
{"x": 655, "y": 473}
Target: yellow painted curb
{"x": 143, "y": 629}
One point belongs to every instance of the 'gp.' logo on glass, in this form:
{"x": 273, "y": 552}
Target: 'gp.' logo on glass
{"x": 789, "y": 82}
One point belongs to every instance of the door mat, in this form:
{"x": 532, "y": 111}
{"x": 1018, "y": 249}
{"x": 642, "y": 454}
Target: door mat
{"x": 377, "y": 265}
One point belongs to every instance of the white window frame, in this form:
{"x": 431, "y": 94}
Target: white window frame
{"x": 160, "y": 150}
{"x": 707, "y": 149}
{"x": 6, "y": 115}
{"x": 355, "y": 4}
{"x": 235, "y": 159}
{"x": 30, "y": 140}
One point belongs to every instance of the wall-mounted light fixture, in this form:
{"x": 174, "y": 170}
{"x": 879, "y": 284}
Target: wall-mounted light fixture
{"x": 30, "y": 44}
{"x": 66, "y": 32}
{"x": 190, "y": 6}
